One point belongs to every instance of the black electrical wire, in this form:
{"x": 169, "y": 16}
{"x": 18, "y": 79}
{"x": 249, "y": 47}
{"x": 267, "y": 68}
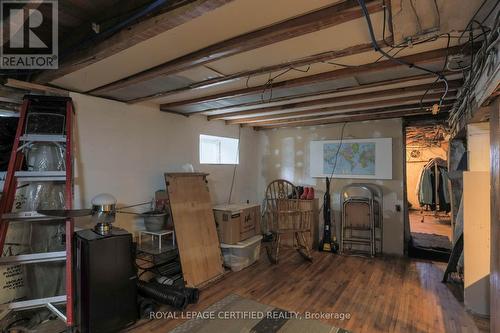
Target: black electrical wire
{"x": 400, "y": 47}
{"x": 446, "y": 83}
{"x": 472, "y": 19}
{"x": 270, "y": 81}
{"x": 378, "y": 49}
{"x": 491, "y": 11}
{"x": 438, "y": 14}
{"x": 440, "y": 76}
{"x": 338, "y": 150}
{"x": 336, "y": 157}
{"x": 235, "y": 166}
{"x": 384, "y": 6}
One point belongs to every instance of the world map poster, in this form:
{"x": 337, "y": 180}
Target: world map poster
{"x": 352, "y": 158}
{"x": 349, "y": 158}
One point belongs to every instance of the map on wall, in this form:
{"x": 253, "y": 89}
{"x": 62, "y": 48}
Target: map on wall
{"x": 353, "y": 158}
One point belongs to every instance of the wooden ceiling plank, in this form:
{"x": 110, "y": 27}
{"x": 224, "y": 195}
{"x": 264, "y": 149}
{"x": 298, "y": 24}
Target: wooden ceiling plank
{"x": 397, "y": 108}
{"x": 325, "y": 93}
{"x": 340, "y": 99}
{"x": 10, "y": 100}
{"x": 365, "y": 105}
{"x": 130, "y": 36}
{"x": 30, "y": 86}
{"x": 320, "y": 57}
{"x": 384, "y": 115}
{"x": 320, "y": 19}
{"x": 419, "y": 58}
{"x": 339, "y": 115}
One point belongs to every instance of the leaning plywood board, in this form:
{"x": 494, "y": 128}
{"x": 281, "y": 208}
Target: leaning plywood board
{"x": 195, "y": 229}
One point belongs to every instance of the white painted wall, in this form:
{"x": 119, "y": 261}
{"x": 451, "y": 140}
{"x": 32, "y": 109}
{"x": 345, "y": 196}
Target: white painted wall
{"x": 125, "y": 150}
{"x": 285, "y": 154}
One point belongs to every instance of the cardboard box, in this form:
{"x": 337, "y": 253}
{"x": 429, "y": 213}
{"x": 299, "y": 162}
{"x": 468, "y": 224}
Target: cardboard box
{"x": 237, "y": 222}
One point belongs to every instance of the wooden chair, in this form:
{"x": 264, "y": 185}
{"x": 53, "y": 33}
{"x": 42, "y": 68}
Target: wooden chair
{"x": 284, "y": 216}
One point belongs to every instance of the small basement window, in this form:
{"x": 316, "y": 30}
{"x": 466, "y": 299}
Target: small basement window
{"x": 218, "y": 150}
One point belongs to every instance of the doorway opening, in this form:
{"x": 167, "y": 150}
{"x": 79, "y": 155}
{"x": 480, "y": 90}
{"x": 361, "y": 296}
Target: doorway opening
{"x": 428, "y": 194}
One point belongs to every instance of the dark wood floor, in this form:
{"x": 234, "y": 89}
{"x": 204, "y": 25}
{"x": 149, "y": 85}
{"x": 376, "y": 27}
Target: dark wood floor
{"x": 382, "y": 295}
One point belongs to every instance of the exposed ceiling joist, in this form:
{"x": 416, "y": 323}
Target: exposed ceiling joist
{"x": 339, "y": 99}
{"x": 131, "y": 35}
{"x": 29, "y": 86}
{"x": 321, "y": 57}
{"x": 377, "y": 116}
{"x": 402, "y": 110}
{"x": 419, "y": 58}
{"x": 10, "y": 100}
{"x": 324, "y": 93}
{"x": 331, "y": 109}
{"x": 11, "y": 95}
{"x": 9, "y": 107}
{"x": 308, "y": 23}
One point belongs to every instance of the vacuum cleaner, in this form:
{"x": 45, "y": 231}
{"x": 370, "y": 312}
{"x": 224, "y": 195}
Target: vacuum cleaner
{"x": 328, "y": 244}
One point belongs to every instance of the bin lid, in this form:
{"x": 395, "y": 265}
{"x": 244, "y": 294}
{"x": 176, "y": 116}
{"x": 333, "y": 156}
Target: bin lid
{"x": 243, "y": 243}
{"x": 234, "y": 208}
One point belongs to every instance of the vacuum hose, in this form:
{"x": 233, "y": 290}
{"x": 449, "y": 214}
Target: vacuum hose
{"x": 163, "y": 294}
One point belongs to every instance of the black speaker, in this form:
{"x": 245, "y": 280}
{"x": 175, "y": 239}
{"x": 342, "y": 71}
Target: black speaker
{"x": 105, "y": 281}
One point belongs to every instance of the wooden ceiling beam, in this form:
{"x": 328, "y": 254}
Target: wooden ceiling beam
{"x": 131, "y": 35}
{"x": 30, "y": 86}
{"x": 354, "y": 115}
{"x": 316, "y": 58}
{"x": 320, "y": 19}
{"x": 378, "y": 116}
{"x": 419, "y": 58}
{"x": 364, "y": 112}
{"x": 325, "y": 92}
{"x": 394, "y": 102}
{"x": 340, "y": 99}
{"x": 10, "y": 100}
{"x": 9, "y": 106}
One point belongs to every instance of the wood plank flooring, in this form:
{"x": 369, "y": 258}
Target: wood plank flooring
{"x": 388, "y": 294}
{"x": 431, "y": 224}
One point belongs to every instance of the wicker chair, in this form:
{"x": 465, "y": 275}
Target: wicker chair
{"x": 284, "y": 216}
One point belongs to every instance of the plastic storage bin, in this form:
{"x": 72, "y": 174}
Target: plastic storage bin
{"x": 242, "y": 254}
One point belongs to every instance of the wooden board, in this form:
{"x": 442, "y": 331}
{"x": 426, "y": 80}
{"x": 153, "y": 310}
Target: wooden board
{"x": 477, "y": 224}
{"x": 194, "y": 225}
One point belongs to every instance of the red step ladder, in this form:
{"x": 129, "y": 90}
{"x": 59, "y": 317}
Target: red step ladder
{"x": 34, "y": 105}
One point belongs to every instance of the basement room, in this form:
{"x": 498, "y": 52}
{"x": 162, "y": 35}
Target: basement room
{"x": 249, "y": 166}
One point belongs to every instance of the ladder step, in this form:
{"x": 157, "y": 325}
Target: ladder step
{"x": 40, "y": 176}
{"x": 29, "y": 216}
{"x": 43, "y": 138}
{"x": 33, "y": 303}
{"x": 33, "y": 258}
